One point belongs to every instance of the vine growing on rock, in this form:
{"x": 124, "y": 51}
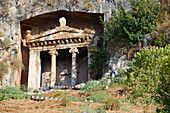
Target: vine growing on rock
{"x": 98, "y": 58}
{"x": 7, "y": 60}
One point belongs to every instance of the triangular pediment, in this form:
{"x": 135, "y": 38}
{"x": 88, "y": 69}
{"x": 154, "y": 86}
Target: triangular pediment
{"x": 60, "y": 33}
{"x": 60, "y": 37}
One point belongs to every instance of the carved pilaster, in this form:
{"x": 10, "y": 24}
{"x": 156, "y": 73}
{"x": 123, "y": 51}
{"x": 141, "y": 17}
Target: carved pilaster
{"x": 74, "y": 52}
{"x": 53, "y": 54}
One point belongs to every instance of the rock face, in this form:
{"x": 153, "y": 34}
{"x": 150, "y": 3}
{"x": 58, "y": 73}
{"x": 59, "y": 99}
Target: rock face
{"x": 117, "y": 62}
{"x": 12, "y": 12}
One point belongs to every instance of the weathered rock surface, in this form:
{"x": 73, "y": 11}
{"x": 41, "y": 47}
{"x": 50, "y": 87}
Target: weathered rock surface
{"x": 117, "y": 62}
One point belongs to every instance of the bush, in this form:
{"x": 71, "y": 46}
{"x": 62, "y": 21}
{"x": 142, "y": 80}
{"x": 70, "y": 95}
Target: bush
{"x": 112, "y": 103}
{"x": 96, "y": 85}
{"x": 58, "y": 94}
{"x": 149, "y": 77}
{"x": 13, "y": 93}
{"x": 87, "y": 109}
{"x": 161, "y": 36}
{"x": 65, "y": 101}
{"x": 99, "y": 97}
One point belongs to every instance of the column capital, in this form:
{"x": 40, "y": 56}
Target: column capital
{"x": 53, "y": 52}
{"x": 74, "y": 50}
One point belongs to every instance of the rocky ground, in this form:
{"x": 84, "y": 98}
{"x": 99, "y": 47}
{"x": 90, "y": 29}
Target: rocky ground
{"x": 76, "y": 105}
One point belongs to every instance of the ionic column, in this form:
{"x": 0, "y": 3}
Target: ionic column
{"x": 53, "y": 54}
{"x": 74, "y": 52}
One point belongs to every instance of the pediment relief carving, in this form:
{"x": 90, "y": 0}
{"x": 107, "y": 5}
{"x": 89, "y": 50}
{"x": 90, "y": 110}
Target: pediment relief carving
{"x": 60, "y": 33}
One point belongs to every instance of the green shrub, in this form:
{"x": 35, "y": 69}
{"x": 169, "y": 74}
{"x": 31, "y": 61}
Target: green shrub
{"x": 96, "y": 85}
{"x": 65, "y": 101}
{"x": 112, "y": 103}
{"x": 14, "y": 93}
{"x": 125, "y": 108}
{"x": 58, "y": 94}
{"x": 87, "y": 109}
{"x": 99, "y": 97}
{"x": 149, "y": 77}
{"x": 161, "y": 36}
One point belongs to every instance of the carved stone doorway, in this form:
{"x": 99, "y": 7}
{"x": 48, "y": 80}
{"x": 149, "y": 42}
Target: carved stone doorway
{"x": 45, "y": 68}
{"x": 64, "y": 68}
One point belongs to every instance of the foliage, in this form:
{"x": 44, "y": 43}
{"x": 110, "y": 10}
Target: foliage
{"x": 65, "y": 101}
{"x": 14, "y": 93}
{"x": 149, "y": 77}
{"x": 129, "y": 27}
{"x": 112, "y": 103}
{"x": 7, "y": 60}
{"x": 58, "y": 94}
{"x": 118, "y": 82}
{"x": 98, "y": 97}
{"x": 90, "y": 4}
{"x": 95, "y": 85}
{"x": 161, "y": 36}
{"x": 125, "y": 108}
{"x": 98, "y": 58}
{"x": 87, "y": 109}
{"x": 73, "y": 98}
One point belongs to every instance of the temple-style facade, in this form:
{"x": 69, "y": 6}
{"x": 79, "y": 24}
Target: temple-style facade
{"x": 59, "y": 56}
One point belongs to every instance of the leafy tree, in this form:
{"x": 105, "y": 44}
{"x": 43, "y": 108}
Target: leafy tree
{"x": 129, "y": 27}
{"x": 149, "y": 76}
{"x": 161, "y": 36}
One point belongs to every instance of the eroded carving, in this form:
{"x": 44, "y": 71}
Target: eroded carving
{"x": 28, "y": 35}
{"x": 62, "y": 22}
{"x": 74, "y": 50}
{"x": 53, "y": 52}
{"x": 46, "y": 79}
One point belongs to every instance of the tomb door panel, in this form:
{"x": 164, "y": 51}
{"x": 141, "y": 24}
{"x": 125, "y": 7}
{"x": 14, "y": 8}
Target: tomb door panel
{"x": 64, "y": 68}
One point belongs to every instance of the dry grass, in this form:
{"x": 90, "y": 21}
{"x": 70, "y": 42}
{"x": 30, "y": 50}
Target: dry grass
{"x": 55, "y": 106}
{"x": 49, "y": 106}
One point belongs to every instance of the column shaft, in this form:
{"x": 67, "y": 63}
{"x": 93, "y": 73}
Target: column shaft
{"x": 53, "y": 54}
{"x": 74, "y": 52}
{"x": 34, "y": 70}
{"x": 74, "y": 70}
{"x": 53, "y": 69}
{"x": 89, "y": 62}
